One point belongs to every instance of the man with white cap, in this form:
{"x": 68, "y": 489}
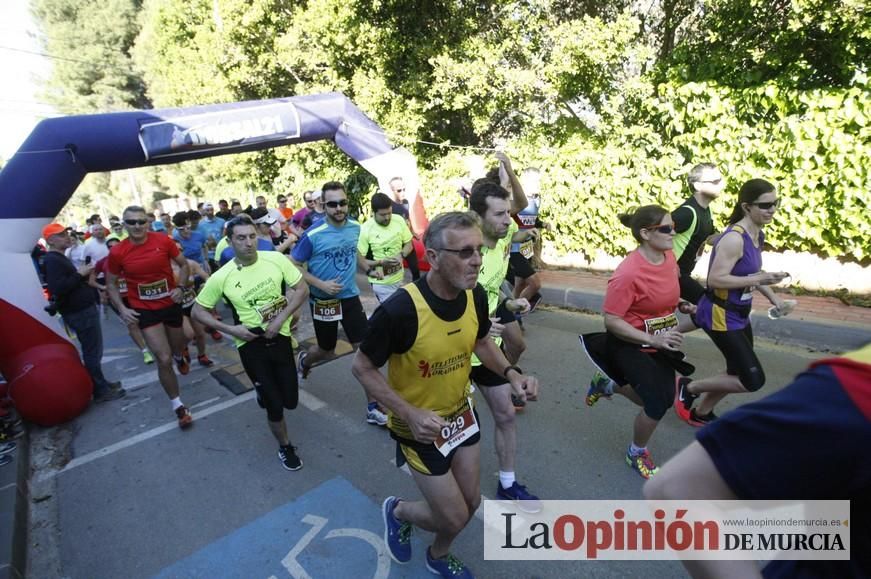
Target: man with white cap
{"x": 76, "y": 301}
{"x": 268, "y": 229}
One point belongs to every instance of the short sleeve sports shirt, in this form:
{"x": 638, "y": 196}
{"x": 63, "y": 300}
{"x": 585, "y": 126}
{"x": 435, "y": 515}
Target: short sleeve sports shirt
{"x": 255, "y": 292}
{"x": 384, "y": 241}
{"x": 147, "y": 270}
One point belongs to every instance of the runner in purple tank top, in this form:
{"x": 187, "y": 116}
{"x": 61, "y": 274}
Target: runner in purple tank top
{"x": 724, "y": 310}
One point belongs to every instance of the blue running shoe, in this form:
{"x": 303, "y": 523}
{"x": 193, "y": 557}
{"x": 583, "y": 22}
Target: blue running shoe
{"x": 600, "y": 386}
{"x": 448, "y": 566}
{"x": 397, "y": 535}
{"x": 517, "y": 493}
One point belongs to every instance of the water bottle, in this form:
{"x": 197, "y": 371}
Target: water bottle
{"x": 775, "y": 313}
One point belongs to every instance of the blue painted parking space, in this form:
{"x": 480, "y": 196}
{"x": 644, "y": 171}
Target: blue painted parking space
{"x": 333, "y": 530}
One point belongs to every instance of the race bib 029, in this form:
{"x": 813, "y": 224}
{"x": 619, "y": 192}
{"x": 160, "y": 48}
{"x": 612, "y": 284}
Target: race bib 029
{"x": 460, "y": 428}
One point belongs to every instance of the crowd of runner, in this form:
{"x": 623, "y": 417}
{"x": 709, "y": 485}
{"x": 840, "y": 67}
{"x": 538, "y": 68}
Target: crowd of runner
{"x": 443, "y": 334}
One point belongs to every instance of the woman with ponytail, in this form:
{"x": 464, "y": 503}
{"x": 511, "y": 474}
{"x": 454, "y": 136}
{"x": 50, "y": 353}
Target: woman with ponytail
{"x": 639, "y": 351}
{"x": 724, "y": 310}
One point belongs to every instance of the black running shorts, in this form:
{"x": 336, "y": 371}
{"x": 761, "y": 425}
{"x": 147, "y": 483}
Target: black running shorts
{"x": 171, "y": 316}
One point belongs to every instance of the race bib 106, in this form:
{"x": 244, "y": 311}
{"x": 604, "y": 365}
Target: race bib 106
{"x": 328, "y": 310}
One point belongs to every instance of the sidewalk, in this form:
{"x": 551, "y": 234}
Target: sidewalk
{"x": 820, "y": 323}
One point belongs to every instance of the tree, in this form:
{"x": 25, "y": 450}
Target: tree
{"x": 90, "y": 41}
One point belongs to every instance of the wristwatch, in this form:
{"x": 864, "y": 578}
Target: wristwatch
{"x": 507, "y": 368}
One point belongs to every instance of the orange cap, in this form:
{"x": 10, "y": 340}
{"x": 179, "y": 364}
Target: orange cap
{"x": 52, "y": 229}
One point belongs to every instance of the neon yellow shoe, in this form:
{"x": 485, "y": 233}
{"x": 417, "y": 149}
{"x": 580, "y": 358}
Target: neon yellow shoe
{"x": 147, "y": 357}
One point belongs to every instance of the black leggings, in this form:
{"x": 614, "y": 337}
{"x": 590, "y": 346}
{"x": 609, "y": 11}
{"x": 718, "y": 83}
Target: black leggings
{"x": 649, "y": 375}
{"x": 271, "y": 368}
{"x": 741, "y": 360}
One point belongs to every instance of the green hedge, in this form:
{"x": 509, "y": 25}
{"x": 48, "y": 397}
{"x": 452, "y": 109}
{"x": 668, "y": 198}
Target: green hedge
{"x": 813, "y": 145}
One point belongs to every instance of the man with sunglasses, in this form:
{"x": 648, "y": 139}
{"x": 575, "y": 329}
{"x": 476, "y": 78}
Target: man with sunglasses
{"x": 328, "y": 251}
{"x": 426, "y": 333}
{"x": 300, "y": 214}
{"x": 694, "y": 225}
{"x": 212, "y": 228}
{"x": 143, "y": 260}
{"x": 193, "y": 242}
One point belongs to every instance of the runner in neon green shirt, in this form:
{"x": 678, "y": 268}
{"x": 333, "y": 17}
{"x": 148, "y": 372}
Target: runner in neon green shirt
{"x": 390, "y": 241}
{"x": 264, "y": 289}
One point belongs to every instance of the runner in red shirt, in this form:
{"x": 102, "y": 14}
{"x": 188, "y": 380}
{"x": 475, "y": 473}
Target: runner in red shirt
{"x": 99, "y": 278}
{"x": 143, "y": 260}
{"x": 640, "y": 349}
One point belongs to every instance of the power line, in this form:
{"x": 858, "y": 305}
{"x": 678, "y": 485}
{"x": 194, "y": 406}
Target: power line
{"x": 63, "y": 58}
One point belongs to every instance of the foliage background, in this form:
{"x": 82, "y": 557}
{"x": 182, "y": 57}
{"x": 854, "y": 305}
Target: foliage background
{"x": 614, "y": 100}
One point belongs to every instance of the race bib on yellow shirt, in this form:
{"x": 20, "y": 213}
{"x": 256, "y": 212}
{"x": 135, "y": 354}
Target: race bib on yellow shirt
{"x": 272, "y": 309}
{"x": 526, "y": 249}
{"x": 154, "y": 291}
{"x": 328, "y": 310}
{"x": 389, "y": 270}
{"x": 460, "y": 428}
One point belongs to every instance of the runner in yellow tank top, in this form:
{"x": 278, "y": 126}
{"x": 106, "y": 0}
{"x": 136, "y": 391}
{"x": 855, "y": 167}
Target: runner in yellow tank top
{"x": 427, "y": 333}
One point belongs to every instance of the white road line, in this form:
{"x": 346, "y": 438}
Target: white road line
{"x": 126, "y": 407}
{"x": 142, "y": 437}
{"x": 112, "y": 358}
{"x": 205, "y": 402}
{"x": 139, "y": 381}
{"x": 311, "y": 401}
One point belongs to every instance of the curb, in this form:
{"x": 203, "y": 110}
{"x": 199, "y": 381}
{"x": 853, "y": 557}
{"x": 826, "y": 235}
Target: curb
{"x": 14, "y": 493}
{"x": 816, "y": 335}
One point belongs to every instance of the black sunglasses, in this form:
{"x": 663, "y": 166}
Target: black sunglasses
{"x": 334, "y": 204}
{"x": 765, "y": 205}
{"x": 465, "y": 253}
{"x": 666, "y": 229}
{"x": 135, "y": 221}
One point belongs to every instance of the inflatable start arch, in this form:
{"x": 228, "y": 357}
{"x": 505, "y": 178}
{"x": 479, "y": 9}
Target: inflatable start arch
{"x": 45, "y": 376}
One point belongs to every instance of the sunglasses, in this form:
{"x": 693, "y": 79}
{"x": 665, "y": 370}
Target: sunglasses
{"x": 334, "y": 204}
{"x": 767, "y": 204}
{"x": 401, "y": 190}
{"x": 132, "y": 222}
{"x": 666, "y": 229}
{"x": 712, "y": 181}
{"x": 465, "y": 253}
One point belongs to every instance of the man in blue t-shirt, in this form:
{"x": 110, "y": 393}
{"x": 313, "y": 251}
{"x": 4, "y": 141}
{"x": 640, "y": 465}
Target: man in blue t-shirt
{"x": 327, "y": 255}
{"x": 212, "y": 228}
{"x": 193, "y": 243}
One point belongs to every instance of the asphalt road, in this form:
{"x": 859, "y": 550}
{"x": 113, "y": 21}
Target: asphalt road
{"x": 122, "y": 492}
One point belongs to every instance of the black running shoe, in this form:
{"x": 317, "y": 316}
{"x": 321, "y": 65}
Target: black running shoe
{"x": 288, "y": 458}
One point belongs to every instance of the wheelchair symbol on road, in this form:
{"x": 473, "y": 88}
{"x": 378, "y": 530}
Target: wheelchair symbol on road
{"x": 317, "y": 524}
